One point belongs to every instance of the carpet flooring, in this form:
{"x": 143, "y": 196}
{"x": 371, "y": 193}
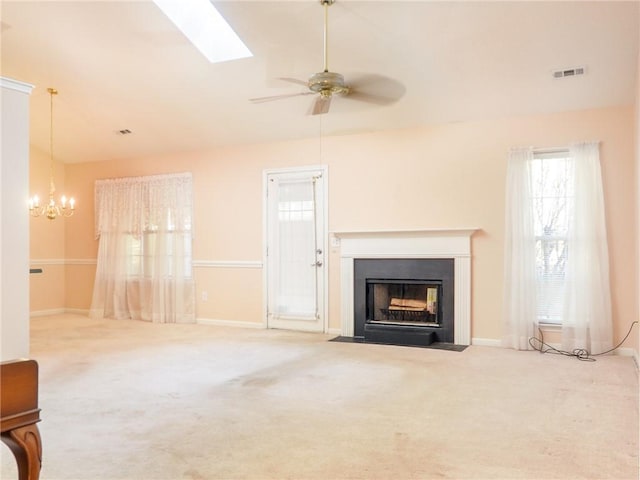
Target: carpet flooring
{"x": 124, "y": 400}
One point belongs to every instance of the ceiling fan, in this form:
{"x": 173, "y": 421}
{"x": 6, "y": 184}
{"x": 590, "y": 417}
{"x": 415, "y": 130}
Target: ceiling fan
{"x": 326, "y": 84}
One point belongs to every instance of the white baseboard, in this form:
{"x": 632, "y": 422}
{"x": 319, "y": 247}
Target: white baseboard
{"x": 629, "y": 352}
{"x": 58, "y": 311}
{"x": 623, "y": 352}
{"x": 486, "y": 342}
{"x": 334, "y": 331}
{"x": 229, "y": 323}
{"x": 45, "y": 313}
{"x": 492, "y": 342}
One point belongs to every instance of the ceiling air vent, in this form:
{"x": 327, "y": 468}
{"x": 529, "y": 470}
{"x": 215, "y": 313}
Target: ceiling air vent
{"x": 569, "y": 72}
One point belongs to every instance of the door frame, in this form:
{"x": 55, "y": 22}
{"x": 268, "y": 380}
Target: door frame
{"x": 325, "y": 238}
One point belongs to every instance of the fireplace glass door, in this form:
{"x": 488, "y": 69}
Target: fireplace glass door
{"x": 404, "y": 302}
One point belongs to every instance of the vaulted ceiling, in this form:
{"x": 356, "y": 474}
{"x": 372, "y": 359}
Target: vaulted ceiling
{"x": 123, "y": 65}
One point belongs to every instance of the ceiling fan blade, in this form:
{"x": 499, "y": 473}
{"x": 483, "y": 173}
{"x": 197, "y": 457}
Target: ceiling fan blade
{"x": 278, "y": 97}
{"x": 294, "y": 80}
{"x": 376, "y": 89}
{"x": 368, "y": 98}
{"x": 321, "y": 105}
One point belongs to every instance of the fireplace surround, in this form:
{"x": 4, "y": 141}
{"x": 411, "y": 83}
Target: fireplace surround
{"x": 448, "y": 244}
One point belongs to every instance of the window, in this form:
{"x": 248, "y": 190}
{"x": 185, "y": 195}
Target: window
{"x": 295, "y": 211}
{"x": 154, "y": 251}
{"x": 144, "y": 269}
{"x": 552, "y": 194}
{"x": 556, "y": 254}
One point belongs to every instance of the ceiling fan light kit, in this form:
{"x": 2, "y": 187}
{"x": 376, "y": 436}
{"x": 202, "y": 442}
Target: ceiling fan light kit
{"x": 327, "y": 83}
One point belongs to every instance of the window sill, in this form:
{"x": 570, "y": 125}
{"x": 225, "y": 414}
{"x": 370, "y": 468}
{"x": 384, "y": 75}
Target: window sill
{"x": 550, "y": 327}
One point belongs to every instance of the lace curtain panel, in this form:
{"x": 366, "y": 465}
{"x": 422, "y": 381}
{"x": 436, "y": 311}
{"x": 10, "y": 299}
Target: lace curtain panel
{"x": 144, "y": 226}
{"x": 585, "y": 297}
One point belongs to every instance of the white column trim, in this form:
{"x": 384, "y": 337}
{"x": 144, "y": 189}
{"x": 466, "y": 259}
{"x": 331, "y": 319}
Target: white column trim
{"x": 346, "y": 302}
{"x": 16, "y": 85}
{"x": 462, "y": 300}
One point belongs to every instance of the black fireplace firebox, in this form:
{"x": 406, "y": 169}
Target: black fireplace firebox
{"x": 404, "y": 301}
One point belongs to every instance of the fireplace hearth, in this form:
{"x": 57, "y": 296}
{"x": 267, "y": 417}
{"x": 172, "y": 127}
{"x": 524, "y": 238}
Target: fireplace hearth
{"x": 404, "y": 301}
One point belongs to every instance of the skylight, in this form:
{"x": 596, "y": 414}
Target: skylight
{"x": 201, "y": 23}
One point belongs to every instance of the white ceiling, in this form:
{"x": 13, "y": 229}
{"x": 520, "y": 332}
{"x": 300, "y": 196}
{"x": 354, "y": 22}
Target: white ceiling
{"x": 123, "y": 65}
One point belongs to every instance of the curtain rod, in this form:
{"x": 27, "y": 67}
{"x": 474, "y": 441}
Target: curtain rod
{"x": 551, "y": 150}
{"x": 564, "y": 149}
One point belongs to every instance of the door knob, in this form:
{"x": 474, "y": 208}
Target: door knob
{"x": 317, "y": 264}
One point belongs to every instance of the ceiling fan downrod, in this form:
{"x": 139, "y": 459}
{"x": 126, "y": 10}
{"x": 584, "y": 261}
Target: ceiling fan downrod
{"x": 327, "y": 83}
{"x": 326, "y": 4}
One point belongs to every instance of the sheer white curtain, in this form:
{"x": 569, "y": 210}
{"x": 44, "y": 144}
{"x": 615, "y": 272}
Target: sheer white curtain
{"x": 520, "y": 262}
{"x": 586, "y": 313}
{"x": 587, "y": 307}
{"x": 144, "y": 225}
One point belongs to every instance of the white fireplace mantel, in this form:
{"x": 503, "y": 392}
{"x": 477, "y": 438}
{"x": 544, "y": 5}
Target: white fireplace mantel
{"x": 452, "y": 243}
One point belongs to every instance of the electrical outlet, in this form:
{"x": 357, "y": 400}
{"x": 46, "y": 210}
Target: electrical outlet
{"x": 335, "y": 242}
{"x": 205, "y": 296}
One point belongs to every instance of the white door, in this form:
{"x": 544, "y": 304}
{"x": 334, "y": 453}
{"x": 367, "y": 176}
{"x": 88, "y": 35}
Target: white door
{"x": 295, "y": 249}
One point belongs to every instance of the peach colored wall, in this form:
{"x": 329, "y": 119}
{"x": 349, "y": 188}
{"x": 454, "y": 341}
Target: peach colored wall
{"x": 47, "y": 235}
{"x": 79, "y": 278}
{"x": 47, "y": 248}
{"x": 442, "y": 176}
{"x": 453, "y": 176}
{"x": 47, "y": 289}
{"x": 228, "y": 220}
{"x": 233, "y": 294}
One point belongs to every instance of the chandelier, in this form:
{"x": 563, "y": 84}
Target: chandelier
{"x": 52, "y": 210}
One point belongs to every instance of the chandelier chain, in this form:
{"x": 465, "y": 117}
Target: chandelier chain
{"x": 52, "y": 188}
